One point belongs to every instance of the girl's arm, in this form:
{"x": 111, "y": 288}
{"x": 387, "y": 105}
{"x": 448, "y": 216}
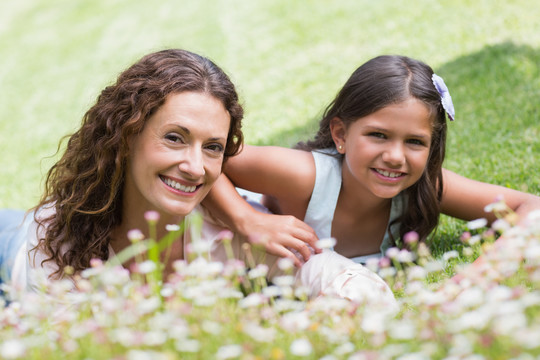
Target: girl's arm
{"x": 466, "y": 199}
{"x": 288, "y": 175}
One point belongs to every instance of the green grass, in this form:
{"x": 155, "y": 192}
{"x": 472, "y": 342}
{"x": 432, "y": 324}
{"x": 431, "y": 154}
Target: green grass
{"x": 287, "y": 58}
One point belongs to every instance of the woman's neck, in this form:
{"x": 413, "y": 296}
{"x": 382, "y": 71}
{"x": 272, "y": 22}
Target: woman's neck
{"x": 132, "y": 220}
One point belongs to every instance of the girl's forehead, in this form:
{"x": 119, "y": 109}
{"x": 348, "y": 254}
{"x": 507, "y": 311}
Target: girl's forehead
{"x": 411, "y": 111}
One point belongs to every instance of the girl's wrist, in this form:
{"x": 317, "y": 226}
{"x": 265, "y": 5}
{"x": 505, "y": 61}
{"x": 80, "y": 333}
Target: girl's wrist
{"x": 240, "y": 219}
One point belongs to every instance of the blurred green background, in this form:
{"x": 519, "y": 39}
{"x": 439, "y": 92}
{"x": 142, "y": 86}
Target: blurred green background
{"x": 287, "y": 58}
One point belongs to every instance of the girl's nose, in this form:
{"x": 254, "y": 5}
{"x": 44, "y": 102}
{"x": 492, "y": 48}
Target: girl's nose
{"x": 394, "y": 154}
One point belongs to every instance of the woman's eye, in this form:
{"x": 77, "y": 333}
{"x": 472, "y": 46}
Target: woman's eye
{"x": 217, "y": 148}
{"x": 175, "y": 138}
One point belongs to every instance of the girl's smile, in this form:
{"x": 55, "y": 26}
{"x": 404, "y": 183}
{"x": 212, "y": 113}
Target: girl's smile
{"x": 385, "y": 152}
{"x": 388, "y": 174}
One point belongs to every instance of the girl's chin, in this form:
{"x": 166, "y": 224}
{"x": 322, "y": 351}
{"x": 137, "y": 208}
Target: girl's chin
{"x": 386, "y": 194}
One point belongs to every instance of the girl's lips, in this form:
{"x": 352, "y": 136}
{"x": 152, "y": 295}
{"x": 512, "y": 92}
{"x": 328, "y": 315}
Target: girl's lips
{"x": 388, "y": 175}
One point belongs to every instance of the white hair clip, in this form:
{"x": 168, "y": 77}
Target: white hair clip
{"x": 446, "y": 99}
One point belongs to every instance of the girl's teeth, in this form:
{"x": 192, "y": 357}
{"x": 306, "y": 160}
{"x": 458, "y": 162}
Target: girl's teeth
{"x": 179, "y": 186}
{"x": 388, "y": 174}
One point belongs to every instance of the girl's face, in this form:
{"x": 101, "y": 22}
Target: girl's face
{"x": 386, "y": 152}
{"x": 178, "y": 156}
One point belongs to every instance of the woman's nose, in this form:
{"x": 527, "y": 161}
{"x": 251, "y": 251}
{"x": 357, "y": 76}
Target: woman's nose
{"x": 192, "y": 163}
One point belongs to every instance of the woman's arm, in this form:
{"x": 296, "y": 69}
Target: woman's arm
{"x": 288, "y": 175}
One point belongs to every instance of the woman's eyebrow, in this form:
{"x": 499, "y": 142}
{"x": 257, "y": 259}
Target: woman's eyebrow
{"x": 186, "y": 130}
{"x": 183, "y": 128}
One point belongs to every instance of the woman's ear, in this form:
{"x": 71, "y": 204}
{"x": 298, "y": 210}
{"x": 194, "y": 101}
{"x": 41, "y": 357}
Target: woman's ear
{"x": 130, "y": 140}
{"x": 338, "y": 130}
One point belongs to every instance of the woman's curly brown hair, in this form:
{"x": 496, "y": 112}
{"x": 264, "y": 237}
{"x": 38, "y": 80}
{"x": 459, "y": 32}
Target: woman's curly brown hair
{"x": 85, "y": 186}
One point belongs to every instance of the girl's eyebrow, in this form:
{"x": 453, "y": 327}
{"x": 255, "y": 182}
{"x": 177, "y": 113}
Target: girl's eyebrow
{"x": 379, "y": 129}
{"x": 420, "y": 136}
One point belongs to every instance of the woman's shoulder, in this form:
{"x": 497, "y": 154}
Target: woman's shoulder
{"x": 28, "y": 269}
{"x": 36, "y": 266}
{"x": 37, "y": 225}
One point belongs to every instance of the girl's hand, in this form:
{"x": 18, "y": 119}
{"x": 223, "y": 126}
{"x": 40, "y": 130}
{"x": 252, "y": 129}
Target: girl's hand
{"x": 281, "y": 235}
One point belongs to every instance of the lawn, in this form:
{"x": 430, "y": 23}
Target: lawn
{"x": 288, "y": 59}
{"x": 226, "y": 310}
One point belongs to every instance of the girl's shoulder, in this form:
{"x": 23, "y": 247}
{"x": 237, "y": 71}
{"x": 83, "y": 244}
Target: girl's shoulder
{"x": 266, "y": 169}
{"x": 327, "y": 157}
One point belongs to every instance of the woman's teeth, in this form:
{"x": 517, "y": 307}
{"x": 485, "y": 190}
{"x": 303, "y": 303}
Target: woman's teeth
{"x": 179, "y": 186}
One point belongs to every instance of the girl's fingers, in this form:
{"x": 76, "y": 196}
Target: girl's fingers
{"x": 301, "y": 231}
{"x": 298, "y": 247}
{"x": 309, "y": 237}
{"x": 283, "y": 252}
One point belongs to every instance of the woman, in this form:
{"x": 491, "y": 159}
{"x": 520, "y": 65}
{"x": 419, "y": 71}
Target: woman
{"x": 154, "y": 143}
{"x": 155, "y": 140}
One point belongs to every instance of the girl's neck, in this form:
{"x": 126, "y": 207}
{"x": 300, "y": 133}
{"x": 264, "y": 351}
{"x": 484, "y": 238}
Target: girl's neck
{"x": 357, "y": 199}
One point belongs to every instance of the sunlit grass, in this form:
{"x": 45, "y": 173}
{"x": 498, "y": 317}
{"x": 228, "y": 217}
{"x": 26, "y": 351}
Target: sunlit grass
{"x": 201, "y": 312}
{"x": 288, "y": 60}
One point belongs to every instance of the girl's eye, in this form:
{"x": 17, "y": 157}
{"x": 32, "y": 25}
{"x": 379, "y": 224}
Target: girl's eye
{"x": 416, "y": 142}
{"x": 175, "y": 138}
{"x": 377, "y": 135}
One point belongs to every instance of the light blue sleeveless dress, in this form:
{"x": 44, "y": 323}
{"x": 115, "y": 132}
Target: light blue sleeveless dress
{"x": 322, "y": 205}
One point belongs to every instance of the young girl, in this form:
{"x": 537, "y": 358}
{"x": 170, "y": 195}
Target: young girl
{"x": 371, "y": 174}
{"x": 154, "y": 140}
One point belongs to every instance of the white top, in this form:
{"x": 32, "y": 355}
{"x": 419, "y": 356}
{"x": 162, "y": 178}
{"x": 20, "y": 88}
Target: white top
{"x": 323, "y": 202}
{"x": 327, "y": 273}
{"x": 28, "y": 271}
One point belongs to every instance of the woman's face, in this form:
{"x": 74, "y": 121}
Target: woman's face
{"x": 386, "y": 152}
{"x": 178, "y": 156}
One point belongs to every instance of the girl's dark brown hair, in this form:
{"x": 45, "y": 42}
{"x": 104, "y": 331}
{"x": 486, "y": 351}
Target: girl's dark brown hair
{"x": 383, "y": 81}
{"x": 85, "y": 186}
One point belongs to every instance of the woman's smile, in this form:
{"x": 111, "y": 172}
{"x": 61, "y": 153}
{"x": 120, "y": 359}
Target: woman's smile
{"x": 178, "y": 156}
{"x": 180, "y": 186}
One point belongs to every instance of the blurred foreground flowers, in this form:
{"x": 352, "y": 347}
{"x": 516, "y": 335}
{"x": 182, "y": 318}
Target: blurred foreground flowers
{"x": 209, "y": 310}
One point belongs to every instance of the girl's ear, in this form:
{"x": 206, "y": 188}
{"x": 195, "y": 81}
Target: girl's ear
{"x": 338, "y": 130}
